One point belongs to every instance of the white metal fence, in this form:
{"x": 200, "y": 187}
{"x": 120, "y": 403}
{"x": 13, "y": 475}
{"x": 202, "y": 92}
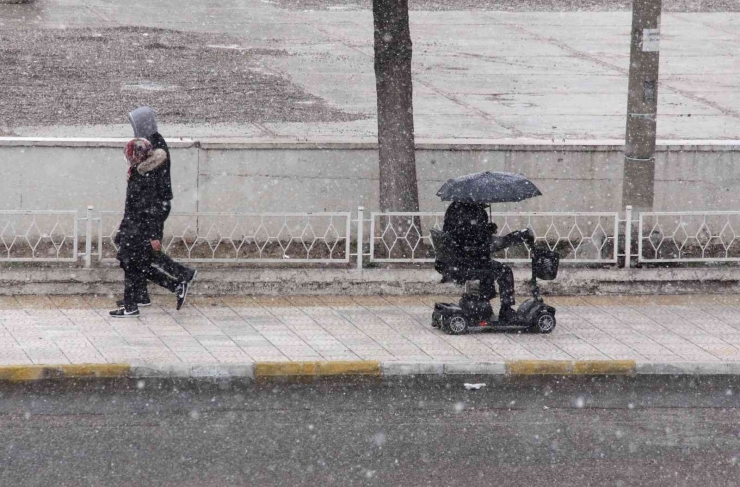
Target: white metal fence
{"x": 38, "y": 236}
{"x": 708, "y": 236}
{"x": 243, "y": 237}
{"x": 336, "y": 238}
{"x": 403, "y": 237}
{"x": 579, "y": 237}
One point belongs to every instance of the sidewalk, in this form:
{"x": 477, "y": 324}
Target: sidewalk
{"x": 59, "y": 330}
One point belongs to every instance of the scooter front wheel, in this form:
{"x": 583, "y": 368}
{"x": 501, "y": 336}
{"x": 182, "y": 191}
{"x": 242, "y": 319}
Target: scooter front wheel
{"x": 544, "y": 322}
{"x": 456, "y": 325}
{"x": 436, "y": 320}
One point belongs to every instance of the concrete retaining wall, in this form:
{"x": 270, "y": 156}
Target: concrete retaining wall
{"x": 274, "y": 176}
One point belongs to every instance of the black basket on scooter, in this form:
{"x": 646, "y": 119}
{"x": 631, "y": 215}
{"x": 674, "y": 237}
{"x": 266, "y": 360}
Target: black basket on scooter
{"x": 545, "y": 264}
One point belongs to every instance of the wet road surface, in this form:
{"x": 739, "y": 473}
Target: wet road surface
{"x": 639, "y": 431}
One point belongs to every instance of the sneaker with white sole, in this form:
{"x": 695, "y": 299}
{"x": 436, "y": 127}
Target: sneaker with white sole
{"x": 124, "y": 313}
{"x": 182, "y": 293}
{"x": 148, "y": 302}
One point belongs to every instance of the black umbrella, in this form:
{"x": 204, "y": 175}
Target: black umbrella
{"x": 488, "y": 187}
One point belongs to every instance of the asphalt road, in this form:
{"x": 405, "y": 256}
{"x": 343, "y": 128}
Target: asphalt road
{"x": 605, "y": 432}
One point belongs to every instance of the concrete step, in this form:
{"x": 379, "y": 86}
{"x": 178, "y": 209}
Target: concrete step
{"x": 266, "y": 281}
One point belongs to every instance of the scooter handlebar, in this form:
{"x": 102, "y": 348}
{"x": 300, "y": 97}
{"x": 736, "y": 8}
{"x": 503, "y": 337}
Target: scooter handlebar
{"x": 526, "y": 235}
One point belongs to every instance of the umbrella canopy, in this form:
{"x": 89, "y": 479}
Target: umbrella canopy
{"x": 488, "y": 187}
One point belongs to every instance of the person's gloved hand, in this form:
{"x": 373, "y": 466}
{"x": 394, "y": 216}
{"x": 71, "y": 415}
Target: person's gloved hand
{"x": 527, "y": 236}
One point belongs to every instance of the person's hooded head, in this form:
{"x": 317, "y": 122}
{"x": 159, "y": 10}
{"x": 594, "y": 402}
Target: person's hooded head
{"x": 144, "y": 122}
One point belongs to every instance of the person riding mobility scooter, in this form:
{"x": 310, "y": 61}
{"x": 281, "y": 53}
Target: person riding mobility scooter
{"x": 463, "y": 255}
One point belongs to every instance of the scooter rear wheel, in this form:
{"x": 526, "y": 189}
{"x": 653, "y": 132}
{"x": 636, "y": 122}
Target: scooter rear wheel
{"x": 544, "y": 322}
{"x": 456, "y": 325}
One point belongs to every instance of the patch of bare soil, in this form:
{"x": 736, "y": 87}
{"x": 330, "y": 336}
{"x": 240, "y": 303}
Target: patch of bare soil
{"x": 96, "y": 76}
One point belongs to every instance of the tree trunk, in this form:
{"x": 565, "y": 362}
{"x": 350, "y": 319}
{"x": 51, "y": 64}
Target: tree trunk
{"x": 398, "y": 188}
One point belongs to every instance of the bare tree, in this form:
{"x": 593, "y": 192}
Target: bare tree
{"x": 398, "y": 187}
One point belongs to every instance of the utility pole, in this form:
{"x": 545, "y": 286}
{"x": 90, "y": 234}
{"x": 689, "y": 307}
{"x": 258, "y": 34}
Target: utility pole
{"x": 638, "y": 187}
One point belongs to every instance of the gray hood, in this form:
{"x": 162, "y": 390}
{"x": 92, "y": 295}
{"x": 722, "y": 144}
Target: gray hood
{"x": 144, "y": 122}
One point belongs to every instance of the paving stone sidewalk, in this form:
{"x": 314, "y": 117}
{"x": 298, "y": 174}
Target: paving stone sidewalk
{"x": 232, "y": 330}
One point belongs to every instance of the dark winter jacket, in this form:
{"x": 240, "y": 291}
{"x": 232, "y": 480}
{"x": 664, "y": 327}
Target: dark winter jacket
{"x": 468, "y": 226}
{"x": 475, "y": 236}
{"x": 162, "y": 173}
{"x": 143, "y": 214}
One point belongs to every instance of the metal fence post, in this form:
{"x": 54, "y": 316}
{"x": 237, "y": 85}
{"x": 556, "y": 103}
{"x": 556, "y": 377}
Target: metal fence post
{"x": 360, "y": 228}
{"x": 628, "y": 237}
{"x": 88, "y": 237}
{"x": 100, "y": 238}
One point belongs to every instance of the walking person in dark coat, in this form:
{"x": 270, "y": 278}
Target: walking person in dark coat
{"x": 144, "y": 123}
{"x": 140, "y": 231}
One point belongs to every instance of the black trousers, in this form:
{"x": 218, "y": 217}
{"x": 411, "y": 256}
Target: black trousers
{"x": 139, "y": 268}
{"x": 489, "y": 274}
{"x": 160, "y": 259}
{"x": 136, "y": 273}
{"x": 178, "y": 271}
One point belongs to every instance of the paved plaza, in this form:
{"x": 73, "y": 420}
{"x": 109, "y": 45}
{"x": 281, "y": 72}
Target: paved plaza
{"x": 241, "y": 330}
{"x": 477, "y": 74}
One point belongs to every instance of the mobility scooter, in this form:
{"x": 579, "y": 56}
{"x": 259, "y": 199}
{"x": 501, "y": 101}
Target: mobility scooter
{"x": 474, "y": 313}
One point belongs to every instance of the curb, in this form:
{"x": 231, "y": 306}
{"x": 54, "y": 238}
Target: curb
{"x": 568, "y": 367}
{"x": 23, "y": 373}
{"x": 311, "y": 371}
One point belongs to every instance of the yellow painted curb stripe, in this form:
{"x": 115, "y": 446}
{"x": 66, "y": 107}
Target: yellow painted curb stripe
{"x": 95, "y": 370}
{"x": 316, "y": 369}
{"x": 540, "y": 367}
{"x": 18, "y": 373}
{"x": 568, "y": 367}
{"x": 364, "y": 367}
{"x": 605, "y": 367}
{"x": 274, "y": 369}
{"x": 23, "y": 373}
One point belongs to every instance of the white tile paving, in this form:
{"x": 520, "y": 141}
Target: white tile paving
{"x": 60, "y": 330}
